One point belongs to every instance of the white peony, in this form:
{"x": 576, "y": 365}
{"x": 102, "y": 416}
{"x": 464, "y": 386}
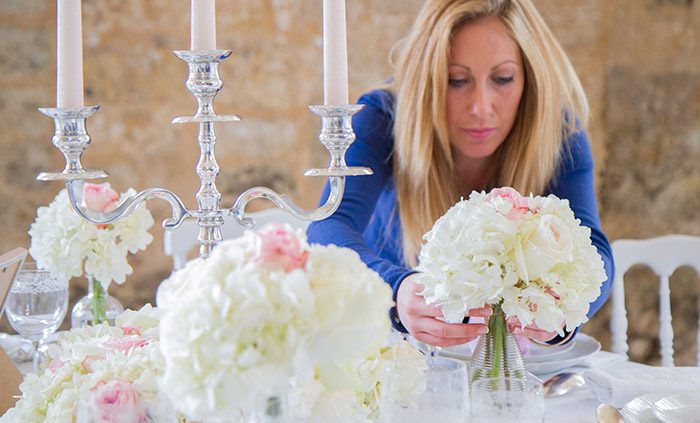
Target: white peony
{"x": 529, "y": 254}
{"x": 68, "y": 245}
{"x": 260, "y": 309}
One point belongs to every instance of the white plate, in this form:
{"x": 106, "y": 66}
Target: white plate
{"x": 531, "y": 351}
{"x": 678, "y": 408}
{"x": 583, "y": 347}
{"x": 538, "y": 360}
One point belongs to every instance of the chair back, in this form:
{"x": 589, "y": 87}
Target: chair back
{"x": 663, "y": 255}
{"x": 180, "y": 241}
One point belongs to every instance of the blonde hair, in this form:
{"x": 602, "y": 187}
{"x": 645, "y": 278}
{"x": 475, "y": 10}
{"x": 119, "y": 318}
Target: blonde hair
{"x": 553, "y": 105}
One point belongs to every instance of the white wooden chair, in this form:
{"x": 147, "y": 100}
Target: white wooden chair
{"x": 663, "y": 255}
{"x": 179, "y": 242}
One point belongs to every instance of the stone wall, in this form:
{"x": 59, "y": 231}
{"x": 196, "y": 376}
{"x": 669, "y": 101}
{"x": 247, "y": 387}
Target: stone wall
{"x": 639, "y": 61}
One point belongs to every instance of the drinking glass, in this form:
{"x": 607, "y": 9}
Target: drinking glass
{"x": 507, "y": 400}
{"x": 36, "y": 305}
{"x": 424, "y": 389}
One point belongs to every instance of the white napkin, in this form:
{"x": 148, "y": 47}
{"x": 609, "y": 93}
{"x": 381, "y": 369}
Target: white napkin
{"x": 619, "y": 385}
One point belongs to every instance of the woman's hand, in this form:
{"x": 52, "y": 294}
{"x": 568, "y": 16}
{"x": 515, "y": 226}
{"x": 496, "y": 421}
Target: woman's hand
{"x": 420, "y": 318}
{"x": 530, "y": 331}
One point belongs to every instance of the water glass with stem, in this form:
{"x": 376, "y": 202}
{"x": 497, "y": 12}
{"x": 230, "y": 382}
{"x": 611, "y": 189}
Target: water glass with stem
{"x": 36, "y": 305}
{"x": 424, "y": 389}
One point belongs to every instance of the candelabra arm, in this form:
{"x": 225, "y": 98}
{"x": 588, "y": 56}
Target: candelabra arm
{"x": 282, "y": 201}
{"x": 126, "y": 206}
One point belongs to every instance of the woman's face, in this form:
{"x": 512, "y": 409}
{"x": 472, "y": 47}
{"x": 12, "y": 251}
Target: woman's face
{"x": 486, "y": 80}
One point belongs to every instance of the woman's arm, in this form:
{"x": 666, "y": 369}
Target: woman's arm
{"x": 372, "y": 148}
{"x": 575, "y": 183}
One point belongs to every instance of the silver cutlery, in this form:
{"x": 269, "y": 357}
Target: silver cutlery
{"x": 562, "y": 383}
{"x": 606, "y": 413}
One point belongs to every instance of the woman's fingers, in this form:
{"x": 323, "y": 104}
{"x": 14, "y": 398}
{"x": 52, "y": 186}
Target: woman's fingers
{"x": 530, "y": 331}
{"x": 440, "y": 342}
{"x": 423, "y": 320}
{"x": 537, "y": 334}
{"x": 484, "y": 311}
{"x": 435, "y": 332}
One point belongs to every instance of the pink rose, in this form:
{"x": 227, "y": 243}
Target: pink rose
{"x": 99, "y": 197}
{"x": 519, "y": 203}
{"x": 117, "y": 402}
{"x": 281, "y": 248}
{"x": 127, "y": 344}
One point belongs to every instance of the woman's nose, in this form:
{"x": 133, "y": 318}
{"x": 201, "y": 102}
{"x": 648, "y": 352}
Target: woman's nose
{"x": 480, "y": 102}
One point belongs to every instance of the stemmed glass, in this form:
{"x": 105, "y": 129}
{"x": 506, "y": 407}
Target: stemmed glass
{"x": 36, "y": 305}
{"x": 424, "y": 389}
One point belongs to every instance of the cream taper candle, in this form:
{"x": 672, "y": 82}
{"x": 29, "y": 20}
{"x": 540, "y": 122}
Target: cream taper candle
{"x": 335, "y": 53}
{"x": 203, "y": 25}
{"x": 69, "y": 54}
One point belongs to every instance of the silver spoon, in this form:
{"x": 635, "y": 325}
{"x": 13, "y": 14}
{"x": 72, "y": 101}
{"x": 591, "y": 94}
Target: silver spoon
{"x": 606, "y": 413}
{"x": 562, "y": 383}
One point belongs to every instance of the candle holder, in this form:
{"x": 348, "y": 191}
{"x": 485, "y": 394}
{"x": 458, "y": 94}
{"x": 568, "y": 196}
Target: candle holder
{"x": 72, "y": 139}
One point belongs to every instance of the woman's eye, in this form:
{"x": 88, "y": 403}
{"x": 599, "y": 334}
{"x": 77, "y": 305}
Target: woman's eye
{"x": 457, "y": 82}
{"x": 503, "y": 80}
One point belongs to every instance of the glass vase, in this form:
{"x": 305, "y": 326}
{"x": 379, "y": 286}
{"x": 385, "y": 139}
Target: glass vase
{"x": 96, "y": 307}
{"x": 497, "y": 354}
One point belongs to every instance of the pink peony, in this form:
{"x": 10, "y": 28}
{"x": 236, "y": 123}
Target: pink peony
{"x": 519, "y": 203}
{"x": 117, "y": 402}
{"x": 281, "y": 248}
{"x": 99, "y": 197}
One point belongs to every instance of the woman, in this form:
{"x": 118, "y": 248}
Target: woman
{"x": 483, "y": 96}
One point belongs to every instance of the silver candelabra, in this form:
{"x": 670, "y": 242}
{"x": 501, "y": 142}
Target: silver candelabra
{"x": 72, "y": 139}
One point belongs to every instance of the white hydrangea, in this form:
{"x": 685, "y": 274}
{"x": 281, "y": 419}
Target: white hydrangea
{"x": 349, "y": 391}
{"x": 68, "y": 245}
{"x": 82, "y": 358}
{"x": 236, "y": 330}
{"x": 528, "y": 253}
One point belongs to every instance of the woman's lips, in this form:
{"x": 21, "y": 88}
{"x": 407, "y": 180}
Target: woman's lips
{"x": 479, "y": 133}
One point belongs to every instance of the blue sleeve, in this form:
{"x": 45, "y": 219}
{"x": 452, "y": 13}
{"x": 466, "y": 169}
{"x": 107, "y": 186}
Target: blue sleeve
{"x": 575, "y": 183}
{"x": 373, "y": 148}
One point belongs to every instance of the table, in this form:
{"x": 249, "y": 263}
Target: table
{"x": 579, "y": 405}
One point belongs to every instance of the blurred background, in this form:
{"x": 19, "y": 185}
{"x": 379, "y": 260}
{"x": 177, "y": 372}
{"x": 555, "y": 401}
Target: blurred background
{"x": 639, "y": 61}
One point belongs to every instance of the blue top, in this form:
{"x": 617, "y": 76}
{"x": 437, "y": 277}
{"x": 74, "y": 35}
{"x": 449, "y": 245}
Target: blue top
{"x": 367, "y": 220}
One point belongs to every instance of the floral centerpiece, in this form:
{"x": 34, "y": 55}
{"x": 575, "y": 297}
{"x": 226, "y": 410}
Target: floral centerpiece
{"x": 99, "y": 374}
{"x": 349, "y": 391}
{"x": 261, "y": 309}
{"x": 68, "y": 245}
{"x": 107, "y": 374}
{"x": 526, "y": 257}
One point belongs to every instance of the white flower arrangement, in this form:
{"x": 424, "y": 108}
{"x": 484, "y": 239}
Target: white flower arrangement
{"x": 528, "y": 254}
{"x": 68, "y": 245}
{"x": 123, "y": 362}
{"x": 261, "y": 309}
{"x": 349, "y": 392}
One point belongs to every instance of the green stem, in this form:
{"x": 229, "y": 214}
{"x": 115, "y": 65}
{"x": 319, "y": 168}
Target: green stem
{"x": 98, "y": 302}
{"x": 497, "y": 326}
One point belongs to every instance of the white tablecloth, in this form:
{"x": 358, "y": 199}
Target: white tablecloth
{"x": 578, "y": 406}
